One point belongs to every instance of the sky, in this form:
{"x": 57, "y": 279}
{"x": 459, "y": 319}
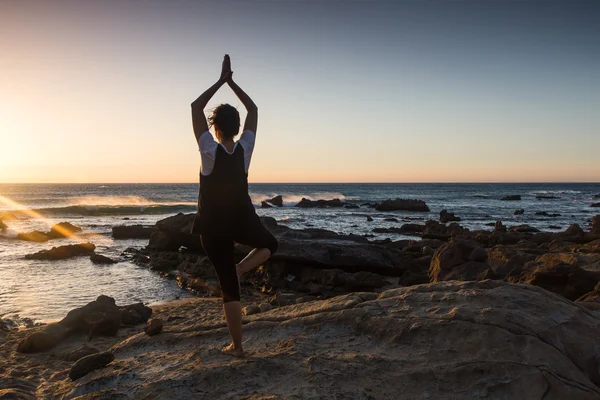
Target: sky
{"x": 348, "y": 91}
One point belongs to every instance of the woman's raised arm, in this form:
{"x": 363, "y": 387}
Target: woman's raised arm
{"x": 198, "y": 117}
{"x": 252, "y": 117}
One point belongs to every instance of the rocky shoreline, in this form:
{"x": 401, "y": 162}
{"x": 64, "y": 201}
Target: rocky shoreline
{"x": 451, "y": 313}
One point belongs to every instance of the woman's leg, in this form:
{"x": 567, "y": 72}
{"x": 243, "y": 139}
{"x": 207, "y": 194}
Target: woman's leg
{"x": 264, "y": 243}
{"x": 220, "y": 253}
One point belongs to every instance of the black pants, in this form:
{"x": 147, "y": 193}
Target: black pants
{"x": 219, "y": 249}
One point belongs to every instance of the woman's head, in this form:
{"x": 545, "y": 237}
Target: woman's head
{"x": 226, "y": 120}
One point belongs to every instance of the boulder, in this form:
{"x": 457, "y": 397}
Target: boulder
{"x": 446, "y": 216}
{"x": 546, "y": 197}
{"x": 100, "y": 259}
{"x": 276, "y": 201}
{"x": 264, "y": 307}
{"x": 593, "y": 296}
{"x": 133, "y": 231}
{"x": 264, "y": 204}
{"x": 251, "y": 309}
{"x": 154, "y": 327}
{"x": 405, "y": 229}
{"x": 574, "y": 230}
{"x": 508, "y": 261}
{"x": 63, "y": 230}
{"x": 90, "y": 363}
{"x": 595, "y": 205}
{"x": 567, "y": 280}
{"x": 134, "y": 313}
{"x": 459, "y": 260}
{"x": 35, "y": 236}
{"x": 596, "y": 224}
{"x": 37, "y": 341}
{"x": 520, "y": 211}
{"x": 175, "y": 232}
{"x": 524, "y": 229}
{"x": 499, "y": 227}
{"x": 402, "y": 204}
{"x": 353, "y": 206}
{"x": 63, "y": 252}
{"x": 512, "y": 197}
{"x": 305, "y": 203}
{"x": 435, "y": 230}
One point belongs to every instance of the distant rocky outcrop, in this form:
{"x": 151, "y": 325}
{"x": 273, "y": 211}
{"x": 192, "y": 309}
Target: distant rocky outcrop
{"x": 546, "y": 197}
{"x": 402, "y": 204}
{"x": 306, "y": 203}
{"x": 595, "y": 205}
{"x": 520, "y": 211}
{"x": 512, "y": 197}
{"x": 34, "y": 236}
{"x": 3, "y": 226}
{"x": 276, "y": 201}
{"x": 133, "y": 231}
{"x": 63, "y": 230}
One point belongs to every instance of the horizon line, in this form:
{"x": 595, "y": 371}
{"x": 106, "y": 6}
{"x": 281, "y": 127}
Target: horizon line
{"x": 302, "y": 183}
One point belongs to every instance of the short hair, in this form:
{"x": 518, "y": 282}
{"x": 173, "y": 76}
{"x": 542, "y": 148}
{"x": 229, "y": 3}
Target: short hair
{"x": 227, "y": 119}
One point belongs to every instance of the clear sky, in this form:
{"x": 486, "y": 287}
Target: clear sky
{"x": 348, "y": 91}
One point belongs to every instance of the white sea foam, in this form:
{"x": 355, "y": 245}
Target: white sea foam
{"x": 293, "y": 199}
{"x": 97, "y": 201}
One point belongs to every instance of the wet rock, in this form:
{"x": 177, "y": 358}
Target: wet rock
{"x": 391, "y": 219}
{"x": 251, "y": 309}
{"x": 90, "y": 363}
{"x": 546, "y": 214}
{"x": 154, "y": 327}
{"x": 305, "y": 203}
{"x": 574, "y": 230}
{"x": 513, "y": 197}
{"x": 175, "y": 232}
{"x": 520, "y": 211}
{"x": 133, "y": 231}
{"x": 100, "y": 259}
{"x": 405, "y": 229}
{"x": 554, "y": 227}
{"x": 436, "y": 230}
{"x": 134, "y": 313}
{"x": 276, "y": 201}
{"x": 369, "y": 218}
{"x": 35, "y": 236}
{"x": 546, "y": 197}
{"x": 595, "y": 205}
{"x": 62, "y": 230}
{"x": 446, "y": 216}
{"x": 80, "y": 353}
{"x": 352, "y": 206}
{"x": 402, "y": 204}
{"x": 63, "y": 252}
{"x": 264, "y": 204}
{"x": 453, "y": 261}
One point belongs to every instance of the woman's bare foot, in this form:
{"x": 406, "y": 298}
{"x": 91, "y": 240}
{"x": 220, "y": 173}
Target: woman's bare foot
{"x": 232, "y": 351}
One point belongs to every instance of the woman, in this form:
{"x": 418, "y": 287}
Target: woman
{"x": 225, "y": 212}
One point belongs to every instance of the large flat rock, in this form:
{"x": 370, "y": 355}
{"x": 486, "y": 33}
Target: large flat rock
{"x": 448, "y": 340}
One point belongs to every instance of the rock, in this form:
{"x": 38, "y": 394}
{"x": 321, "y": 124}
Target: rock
{"x": 405, "y": 229}
{"x": 569, "y": 281}
{"x": 554, "y": 227}
{"x": 520, "y": 211}
{"x": 596, "y": 197}
{"x": 524, "y": 229}
{"x": 593, "y": 296}
{"x": 545, "y": 214}
{"x": 595, "y": 205}
{"x": 251, "y": 309}
{"x": 63, "y": 252}
{"x": 264, "y": 204}
{"x": 478, "y": 254}
{"x": 90, "y": 363}
{"x": 175, "y": 232}
{"x": 508, "y": 261}
{"x": 134, "y": 313}
{"x": 133, "y": 231}
{"x": 402, "y": 204}
{"x": 511, "y": 197}
{"x": 446, "y": 216}
{"x": 36, "y": 342}
{"x": 546, "y": 197}
{"x": 353, "y": 206}
{"x": 454, "y": 261}
{"x": 284, "y": 299}
{"x": 100, "y": 259}
{"x": 369, "y": 218}
{"x": 35, "y": 236}
{"x": 435, "y": 230}
{"x": 305, "y": 203}
{"x": 276, "y": 201}
{"x": 80, "y": 353}
{"x": 596, "y": 224}
{"x": 499, "y": 227}
{"x": 264, "y": 307}
{"x": 448, "y": 340}
{"x": 63, "y": 230}
{"x": 154, "y": 327}
{"x": 391, "y": 219}
{"x": 574, "y": 230}
{"x": 3, "y": 226}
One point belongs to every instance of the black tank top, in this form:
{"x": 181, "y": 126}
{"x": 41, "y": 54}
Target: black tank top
{"x": 223, "y": 200}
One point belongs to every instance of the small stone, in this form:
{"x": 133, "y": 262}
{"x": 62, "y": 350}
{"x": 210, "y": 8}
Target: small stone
{"x": 90, "y": 363}
{"x": 251, "y": 309}
{"x": 265, "y": 307}
{"x": 154, "y": 327}
{"x": 80, "y": 353}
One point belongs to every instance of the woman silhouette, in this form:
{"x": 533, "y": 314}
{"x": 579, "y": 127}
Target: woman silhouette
{"x": 225, "y": 212}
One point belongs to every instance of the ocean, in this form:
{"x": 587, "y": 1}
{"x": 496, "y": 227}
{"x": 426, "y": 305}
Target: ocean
{"x": 42, "y": 291}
